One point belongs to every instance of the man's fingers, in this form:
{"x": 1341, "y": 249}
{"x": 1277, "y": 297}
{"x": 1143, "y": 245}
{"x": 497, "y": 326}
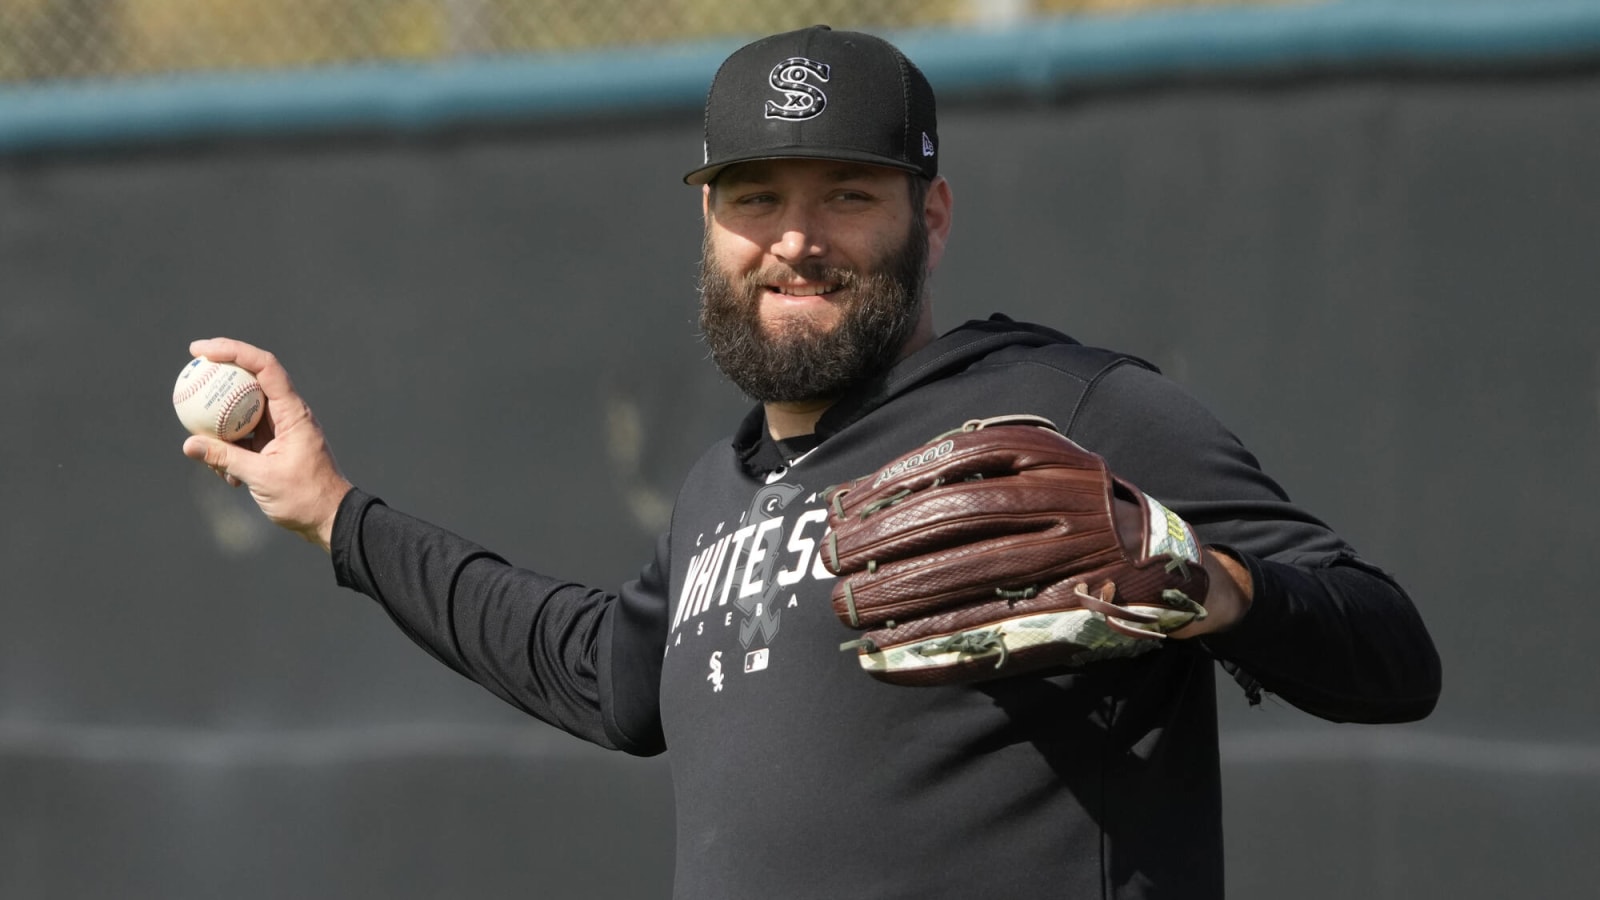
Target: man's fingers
{"x": 282, "y": 401}
{"x": 221, "y": 349}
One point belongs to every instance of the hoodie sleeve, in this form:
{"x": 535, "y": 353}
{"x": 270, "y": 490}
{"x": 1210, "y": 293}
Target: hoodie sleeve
{"x": 584, "y": 660}
{"x": 1327, "y": 631}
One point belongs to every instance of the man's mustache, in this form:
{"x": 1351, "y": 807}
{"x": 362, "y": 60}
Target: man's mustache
{"x": 813, "y": 272}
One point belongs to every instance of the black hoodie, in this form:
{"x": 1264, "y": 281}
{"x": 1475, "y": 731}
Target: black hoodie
{"x": 796, "y": 774}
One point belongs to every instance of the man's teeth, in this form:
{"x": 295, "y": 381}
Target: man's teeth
{"x": 812, "y": 291}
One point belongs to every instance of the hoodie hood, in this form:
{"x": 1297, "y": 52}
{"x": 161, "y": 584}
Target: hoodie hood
{"x": 952, "y": 352}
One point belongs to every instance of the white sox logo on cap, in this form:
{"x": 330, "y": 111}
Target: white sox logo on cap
{"x": 801, "y": 99}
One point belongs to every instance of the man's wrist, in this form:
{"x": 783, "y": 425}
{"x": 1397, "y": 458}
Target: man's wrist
{"x": 322, "y": 533}
{"x": 1229, "y": 597}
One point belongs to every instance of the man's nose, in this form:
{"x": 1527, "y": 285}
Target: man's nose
{"x": 799, "y": 238}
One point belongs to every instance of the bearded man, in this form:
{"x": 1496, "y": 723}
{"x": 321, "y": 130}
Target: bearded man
{"x": 796, "y": 775}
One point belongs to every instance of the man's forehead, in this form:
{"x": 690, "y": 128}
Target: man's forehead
{"x": 766, "y": 171}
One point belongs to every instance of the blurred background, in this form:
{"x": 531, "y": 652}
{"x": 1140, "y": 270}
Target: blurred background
{"x": 1362, "y": 231}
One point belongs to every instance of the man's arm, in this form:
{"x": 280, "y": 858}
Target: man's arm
{"x": 583, "y": 660}
{"x": 1321, "y": 628}
{"x": 1340, "y": 640}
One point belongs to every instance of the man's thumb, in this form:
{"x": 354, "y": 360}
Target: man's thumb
{"x": 225, "y": 458}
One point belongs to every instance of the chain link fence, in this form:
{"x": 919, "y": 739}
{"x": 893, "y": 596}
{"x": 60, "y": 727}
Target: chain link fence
{"x": 54, "y": 40}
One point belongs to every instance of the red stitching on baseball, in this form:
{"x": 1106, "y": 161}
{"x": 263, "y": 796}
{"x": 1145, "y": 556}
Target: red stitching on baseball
{"x": 238, "y": 394}
{"x": 194, "y": 387}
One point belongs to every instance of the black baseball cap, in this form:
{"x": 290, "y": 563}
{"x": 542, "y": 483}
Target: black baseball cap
{"x": 820, "y": 94}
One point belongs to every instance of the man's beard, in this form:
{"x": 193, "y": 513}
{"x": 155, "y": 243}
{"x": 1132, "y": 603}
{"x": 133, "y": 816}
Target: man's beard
{"x": 798, "y": 360}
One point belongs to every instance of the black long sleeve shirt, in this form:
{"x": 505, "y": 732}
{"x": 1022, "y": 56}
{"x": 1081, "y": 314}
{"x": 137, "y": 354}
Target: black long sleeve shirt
{"x": 796, "y": 775}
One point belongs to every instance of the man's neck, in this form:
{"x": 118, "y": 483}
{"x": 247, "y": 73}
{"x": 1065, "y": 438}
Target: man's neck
{"x": 787, "y": 420}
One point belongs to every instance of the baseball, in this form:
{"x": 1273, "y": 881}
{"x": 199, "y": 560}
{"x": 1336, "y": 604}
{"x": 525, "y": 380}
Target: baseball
{"x": 217, "y": 400}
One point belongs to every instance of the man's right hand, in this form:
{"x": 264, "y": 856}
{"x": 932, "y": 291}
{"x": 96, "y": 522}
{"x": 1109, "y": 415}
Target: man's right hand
{"x": 286, "y": 463}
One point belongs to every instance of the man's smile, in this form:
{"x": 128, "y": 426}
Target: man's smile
{"x": 807, "y": 293}
{"x": 803, "y": 290}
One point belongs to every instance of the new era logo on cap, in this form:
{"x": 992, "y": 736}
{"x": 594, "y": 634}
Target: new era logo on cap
{"x": 820, "y": 94}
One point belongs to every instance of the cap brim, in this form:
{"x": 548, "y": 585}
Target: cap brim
{"x": 707, "y": 174}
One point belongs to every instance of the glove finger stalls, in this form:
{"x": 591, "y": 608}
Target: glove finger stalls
{"x": 968, "y": 455}
{"x": 961, "y": 513}
{"x": 1012, "y": 565}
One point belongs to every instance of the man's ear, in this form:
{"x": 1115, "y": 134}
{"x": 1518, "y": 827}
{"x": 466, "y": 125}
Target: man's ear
{"x": 705, "y": 203}
{"x": 937, "y": 209}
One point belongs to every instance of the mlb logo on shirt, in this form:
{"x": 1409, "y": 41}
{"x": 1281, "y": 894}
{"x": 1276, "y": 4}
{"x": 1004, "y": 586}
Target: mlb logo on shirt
{"x": 755, "y": 660}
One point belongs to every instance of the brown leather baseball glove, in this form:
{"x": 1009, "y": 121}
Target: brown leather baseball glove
{"x": 1004, "y": 548}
